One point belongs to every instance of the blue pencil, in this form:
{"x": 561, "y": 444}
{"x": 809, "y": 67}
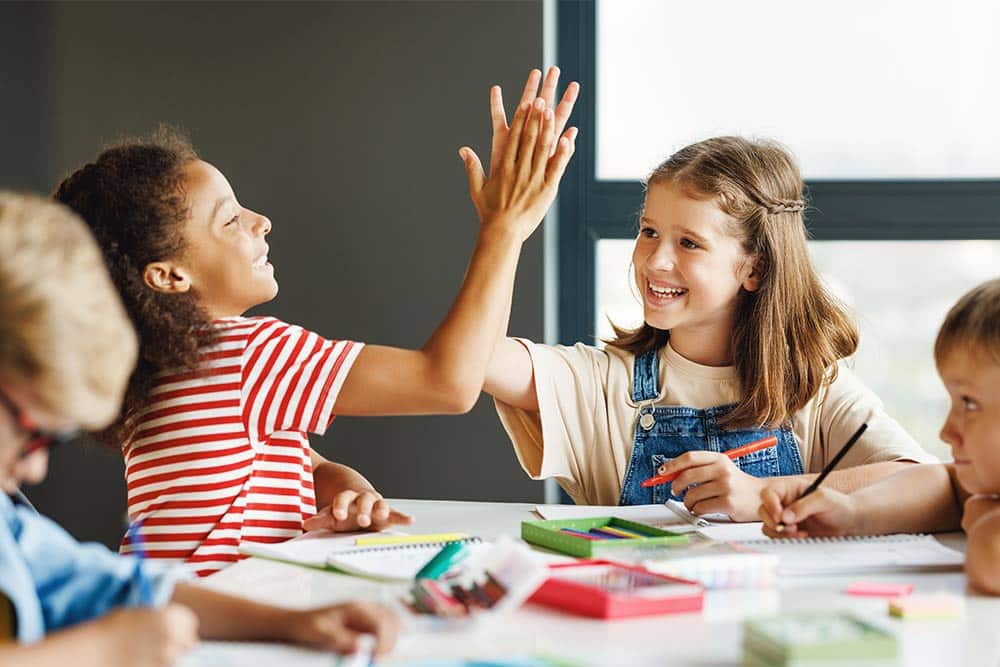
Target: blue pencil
{"x": 138, "y": 577}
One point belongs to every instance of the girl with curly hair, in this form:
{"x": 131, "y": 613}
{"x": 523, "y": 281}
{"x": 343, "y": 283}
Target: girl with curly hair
{"x": 214, "y": 427}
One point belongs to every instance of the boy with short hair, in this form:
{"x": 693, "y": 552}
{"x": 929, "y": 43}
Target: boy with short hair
{"x": 931, "y": 497}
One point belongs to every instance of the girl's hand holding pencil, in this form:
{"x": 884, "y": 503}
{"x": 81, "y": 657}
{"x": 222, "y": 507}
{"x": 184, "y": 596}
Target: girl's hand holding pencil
{"x": 713, "y": 484}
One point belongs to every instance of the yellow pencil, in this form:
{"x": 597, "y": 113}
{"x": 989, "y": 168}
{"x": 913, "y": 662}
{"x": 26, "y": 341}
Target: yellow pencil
{"x": 407, "y": 539}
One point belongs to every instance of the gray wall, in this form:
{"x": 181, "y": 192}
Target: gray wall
{"x": 341, "y": 122}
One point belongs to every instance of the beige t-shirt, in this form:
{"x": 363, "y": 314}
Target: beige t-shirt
{"x": 582, "y": 434}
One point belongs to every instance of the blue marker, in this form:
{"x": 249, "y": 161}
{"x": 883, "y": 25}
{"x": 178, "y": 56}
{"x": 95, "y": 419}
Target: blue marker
{"x": 140, "y": 579}
{"x": 450, "y": 555}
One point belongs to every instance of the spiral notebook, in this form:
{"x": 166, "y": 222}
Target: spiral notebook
{"x": 861, "y": 554}
{"x": 395, "y": 562}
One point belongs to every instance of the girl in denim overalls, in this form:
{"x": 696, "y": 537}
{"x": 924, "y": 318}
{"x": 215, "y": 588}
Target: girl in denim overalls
{"x": 750, "y": 340}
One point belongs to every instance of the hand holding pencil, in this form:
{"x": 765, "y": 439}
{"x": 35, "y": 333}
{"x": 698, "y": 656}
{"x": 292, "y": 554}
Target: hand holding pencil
{"x": 801, "y": 509}
{"x": 712, "y": 483}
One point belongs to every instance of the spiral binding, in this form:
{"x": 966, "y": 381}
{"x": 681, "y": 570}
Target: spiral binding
{"x": 411, "y": 545}
{"x": 882, "y": 539}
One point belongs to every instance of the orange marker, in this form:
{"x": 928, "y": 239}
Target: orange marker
{"x": 749, "y": 448}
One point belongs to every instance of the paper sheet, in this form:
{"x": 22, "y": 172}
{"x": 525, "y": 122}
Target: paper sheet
{"x": 253, "y": 654}
{"x": 312, "y": 549}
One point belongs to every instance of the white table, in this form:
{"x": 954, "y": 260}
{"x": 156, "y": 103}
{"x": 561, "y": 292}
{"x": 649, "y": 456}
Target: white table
{"x": 710, "y": 638}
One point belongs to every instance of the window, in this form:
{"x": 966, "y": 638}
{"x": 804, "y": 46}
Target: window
{"x": 857, "y": 89}
{"x": 892, "y": 118}
{"x": 898, "y": 307}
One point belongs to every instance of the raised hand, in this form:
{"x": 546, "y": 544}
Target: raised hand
{"x": 524, "y": 178}
{"x": 561, "y": 113}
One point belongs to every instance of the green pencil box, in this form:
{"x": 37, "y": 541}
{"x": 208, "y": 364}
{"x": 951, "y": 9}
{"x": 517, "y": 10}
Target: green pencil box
{"x": 816, "y": 638}
{"x": 547, "y": 534}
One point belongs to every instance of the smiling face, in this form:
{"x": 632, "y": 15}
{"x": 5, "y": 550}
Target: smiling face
{"x": 689, "y": 269}
{"x": 225, "y": 258}
{"x": 972, "y": 427}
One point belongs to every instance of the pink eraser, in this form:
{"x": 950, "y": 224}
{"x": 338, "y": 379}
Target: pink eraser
{"x": 879, "y": 589}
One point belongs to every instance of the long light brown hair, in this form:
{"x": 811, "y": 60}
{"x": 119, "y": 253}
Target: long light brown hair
{"x": 790, "y": 333}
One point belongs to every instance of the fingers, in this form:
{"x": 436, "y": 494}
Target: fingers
{"x": 530, "y": 87}
{"x": 322, "y": 519}
{"x": 698, "y": 474}
{"x": 473, "y": 169}
{"x": 364, "y": 504}
{"x": 341, "y": 505}
{"x": 543, "y": 148}
{"x": 689, "y": 460}
{"x": 529, "y": 140}
{"x": 394, "y": 518}
{"x": 340, "y": 627}
{"x": 771, "y": 506}
{"x": 549, "y": 86}
{"x": 499, "y": 119}
{"x": 510, "y": 151}
{"x": 565, "y": 148}
{"x": 565, "y": 108}
{"x": 376, "y": 620}
{"x": 497, "y": 114}
{"x": 703, "y": 492}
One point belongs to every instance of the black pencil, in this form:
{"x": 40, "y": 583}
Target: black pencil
{"x": 828, "y": 468}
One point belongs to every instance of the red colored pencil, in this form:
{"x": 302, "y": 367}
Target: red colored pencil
{"x": 749, "y": 448}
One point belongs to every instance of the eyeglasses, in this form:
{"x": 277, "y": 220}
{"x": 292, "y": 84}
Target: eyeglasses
{"x": 37, "y": 439}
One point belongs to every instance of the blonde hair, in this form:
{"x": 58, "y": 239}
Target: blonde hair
{"x": 973, "y": 321}
{"x": 63, "y": 330}
{"x": 789, "y": 333}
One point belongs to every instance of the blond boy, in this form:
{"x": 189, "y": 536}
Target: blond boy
{"x": 931, "y": 497}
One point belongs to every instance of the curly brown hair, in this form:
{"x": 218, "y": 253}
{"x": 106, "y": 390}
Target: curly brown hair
{"x": 133, "y": 199}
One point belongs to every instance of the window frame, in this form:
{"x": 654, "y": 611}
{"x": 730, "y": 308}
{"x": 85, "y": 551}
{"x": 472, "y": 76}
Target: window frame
{"x": 865, "y": 210}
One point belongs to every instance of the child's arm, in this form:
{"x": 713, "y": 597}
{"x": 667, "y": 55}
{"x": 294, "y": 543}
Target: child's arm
{"x": 982, "y": 556}
{"x": 347, "y": 500}
{"x": 447, "y": 374}
{"x": 127, "y": 637}
{"x": 921, "y": 498}
{"x": 336, "y": 627}
{"x": 511, "y": 376}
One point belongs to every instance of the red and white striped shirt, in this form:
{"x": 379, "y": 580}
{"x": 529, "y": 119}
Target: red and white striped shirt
{"x": 220, "y": 455}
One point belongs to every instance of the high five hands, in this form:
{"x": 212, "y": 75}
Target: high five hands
{"x": 527, "y": 157}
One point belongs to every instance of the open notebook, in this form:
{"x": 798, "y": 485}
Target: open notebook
{"x": 862, "y": 554}
{"x": 883, "y": 553}
{"x": 395, "y": 562}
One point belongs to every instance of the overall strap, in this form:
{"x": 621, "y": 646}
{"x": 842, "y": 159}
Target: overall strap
{"x": 646, "y": 376}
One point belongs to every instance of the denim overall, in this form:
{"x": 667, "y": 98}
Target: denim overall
{"x": 664, "y": 433}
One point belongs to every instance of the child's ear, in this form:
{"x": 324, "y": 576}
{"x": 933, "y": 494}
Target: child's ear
{"x": 166, "y": 277}
{"x": 750, "y": 274}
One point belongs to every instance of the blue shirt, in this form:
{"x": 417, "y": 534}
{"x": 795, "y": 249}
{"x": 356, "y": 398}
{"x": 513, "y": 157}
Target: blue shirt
{"x": 54, "y": 581}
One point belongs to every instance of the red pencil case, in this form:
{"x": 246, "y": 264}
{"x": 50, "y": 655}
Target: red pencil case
{"x": 605, "y": 589}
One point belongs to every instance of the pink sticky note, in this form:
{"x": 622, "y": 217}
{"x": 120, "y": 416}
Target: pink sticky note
{"x": 879, "y": 589}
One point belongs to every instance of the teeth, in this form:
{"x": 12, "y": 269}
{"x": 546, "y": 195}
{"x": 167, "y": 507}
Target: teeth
{"x": 666, "y": 291}
{"x": 260, "y": 263}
